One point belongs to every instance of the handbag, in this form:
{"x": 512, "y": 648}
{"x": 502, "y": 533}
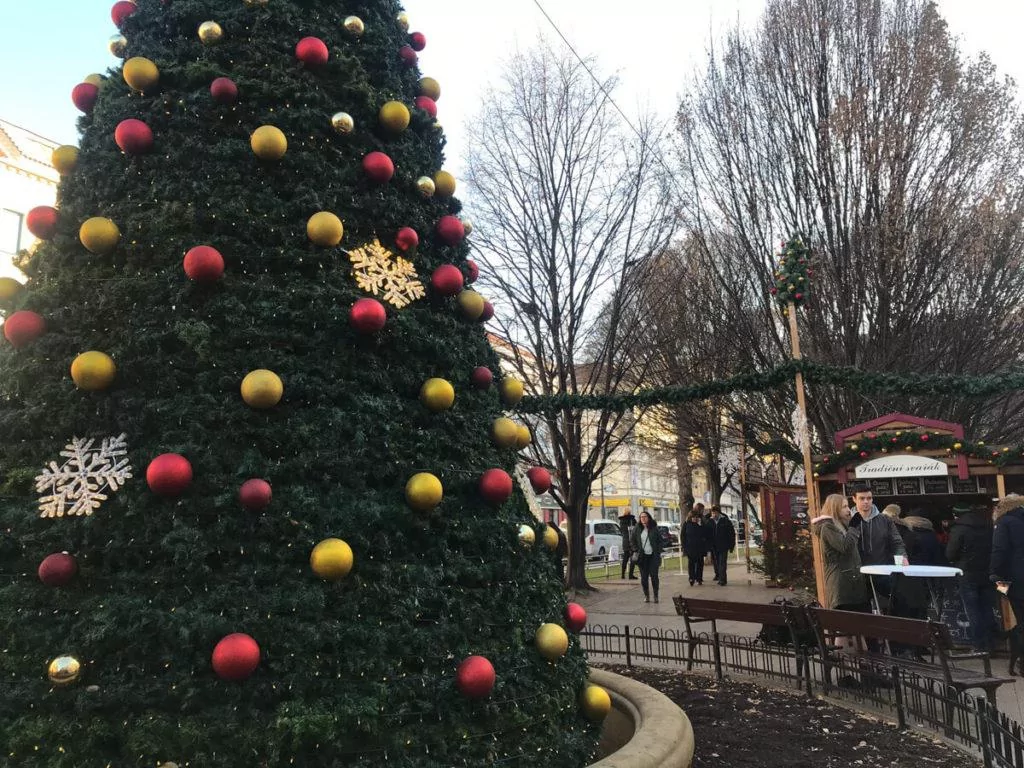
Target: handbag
{"x": 634, "y": 557}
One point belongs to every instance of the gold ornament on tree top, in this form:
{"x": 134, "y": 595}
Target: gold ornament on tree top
{"x": 380, "y": 272}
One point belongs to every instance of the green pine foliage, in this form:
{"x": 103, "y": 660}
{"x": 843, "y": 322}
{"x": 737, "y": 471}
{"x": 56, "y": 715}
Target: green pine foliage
{"x": 358, "y": 672}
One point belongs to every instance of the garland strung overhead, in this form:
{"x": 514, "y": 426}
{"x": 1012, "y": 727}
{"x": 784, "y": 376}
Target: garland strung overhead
{"x": 914, "y": 441}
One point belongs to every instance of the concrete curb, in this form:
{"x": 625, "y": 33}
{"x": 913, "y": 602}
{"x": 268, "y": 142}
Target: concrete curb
{"x": 644, "y": 728}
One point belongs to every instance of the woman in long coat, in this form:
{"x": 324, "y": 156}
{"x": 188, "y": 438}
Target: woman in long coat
{"x": 845, "y": 586}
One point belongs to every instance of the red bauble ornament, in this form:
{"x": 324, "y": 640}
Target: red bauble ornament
{"x": 204, "y": 264}
{"x": 255, "y": 494}
{"x": 58, "y": 569}
{"x": 418, "y": 41}
{"x": 169, "y": 474}
{"x": 427, "y": 104}
{"x": 378, "y": 167}
{"x": 406, "y": 239}
{"x": 488, "y": 312}
{"x": 42, "y": 221}
{"x": 311, "y": 51}
{"x": 446, "y": 280}
{"x": 924, "y": 438}
{"x": 863, "y": 454}
{"x": 496, "y": 486}
{"x": 133, "y": 137}
{"x": 575, "y": 617}
{"x": 407, "y": 55}
{"x": 450, "y": 230}
{"x": 23, "y": 327}
{"x": 482, "y": 377}
{"x": 121, "y": 11}
{"x": 367, "y": 315}
{"x": 540, "y": 479}
{"x": 224, "y": 91}
{"x": 473, "y": 270}
{"x": 236, "y": 657}
{"x": 475, "y": 677}
{"x": 84, "y": 96}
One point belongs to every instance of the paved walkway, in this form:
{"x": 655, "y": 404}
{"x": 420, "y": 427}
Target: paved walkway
{"x": 622, "y": 602}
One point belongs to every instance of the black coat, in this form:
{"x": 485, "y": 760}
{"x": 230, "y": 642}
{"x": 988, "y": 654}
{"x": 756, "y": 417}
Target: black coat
{"x": 922, "y": 546}
{"x": 654, "y": 535}
{"x": 1008, "y": 552}
{"x": 723, "y": 535}
{"x": 626, "y": 525}
{"x": 694, "y": 540}
{"x": 970, "y": 546}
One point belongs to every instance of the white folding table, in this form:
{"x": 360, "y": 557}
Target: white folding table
{"x": 912, "y": 571}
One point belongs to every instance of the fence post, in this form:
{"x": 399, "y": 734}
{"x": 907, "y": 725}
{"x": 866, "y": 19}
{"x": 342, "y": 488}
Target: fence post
{"x": 629, "y": 652}
{"x": 981, "y": 709}
{"x": 897, "y": 687}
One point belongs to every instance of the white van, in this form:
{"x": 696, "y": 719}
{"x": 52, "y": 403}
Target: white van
{"x": 600, "y": 537}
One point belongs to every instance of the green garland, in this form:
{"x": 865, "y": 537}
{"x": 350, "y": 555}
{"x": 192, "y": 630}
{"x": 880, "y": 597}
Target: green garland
{"x": 913, "y": 441}
{"x": 792, "y": 278}
{"x": 776, "y": 447}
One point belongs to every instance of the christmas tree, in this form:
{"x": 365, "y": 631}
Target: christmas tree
{"x": 256, "y": 496}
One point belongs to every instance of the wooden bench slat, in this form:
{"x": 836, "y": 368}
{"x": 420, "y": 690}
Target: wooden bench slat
{"x": 756, "y": 613}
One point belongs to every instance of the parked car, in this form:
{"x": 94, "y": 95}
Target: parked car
{"x": 669, "y": 534}
{"x": 600, "y": 537}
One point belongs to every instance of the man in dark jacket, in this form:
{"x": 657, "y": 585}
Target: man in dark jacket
{"x": 879, "y": 542}
{"x": 1007, "y": 566}
{"x": 695, "y": 546}
{"x": 970, "y": 550}
{"x": 627, "y": 522}
{"x": 724, "y": 542}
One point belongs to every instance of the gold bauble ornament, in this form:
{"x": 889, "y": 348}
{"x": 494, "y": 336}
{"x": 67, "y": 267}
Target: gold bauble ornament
{"x": 523, "y": 436}
{"x": 437, "y": 395}
{"x": 210, "y": 32}
{"x": 430, "y": 88}
{"x": 325, "y": 229}
{"x": 527, "y": 536}
{"x": 471, "y": 304}
{"x": 94, "y": 79}
{"x": 425, "y": 185}
{"x": 467, "y": 225}
{"x": 423, "y": 492}
{"x": 99, "y": 235}
{"x": 504, "y": 432}
{"x": 268, "y": 142}
{"x": 9, "y": 288}
{"x": 444, "y": 183}
{"x": 331, "y": 559}
{"x": 403, "y": 21}
{"x": 117, "y": 45}
{"x": 93, "y": 371}
{"x": 394, "y": 116}
{"x": 262, "y": 389}
{"x": 354, "y": 26}
{"x": 64, "y": 670}
{"x": 64, "y": 158}
{"x": 595, "y": 703}
{"x": 511, "y": 391}
{"x": 140, "y": 73}
{"x": 343, "y": 123}
{"x": 551, "y": 640}
{"x": 550, "y": 538}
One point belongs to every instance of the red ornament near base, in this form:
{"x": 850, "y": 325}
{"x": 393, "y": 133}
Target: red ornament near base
{"x": 204, "y": 264}
{"x": 475, "y": 677}
{"x": 495, "y": 486}
{"x": 378, "y": 167}
{"x": 23, "y": 327}
{"x": 446, "y": 280}
{"x": 473, "y": 271}
{"x": 121, "y": 11}
{"x": 133, "y": 137}
{"x": 408, "y": 55}
{"x": 540, "y": 479}
{"x": 312, "y": 51}
{"x": 417, "y": 41}
{"x": 575, "y": 617}
{"x": 58, "y": 569}
{"x": 407, "y": 239}
{"x": 169, "y": 474}
{"x": 367, "y": 316}
{"x": 84, "y": 96}
{"x": 255, "y": 494}
{"x": 488, "y": 312}
{"x": 236, "y": 657}
{"x": 450, "y": 230}
{"x": 482, "y": 377}
{"x": 427, "y": 104}
{"x": 224, "y": 91}
{"x": 42, "y": 221}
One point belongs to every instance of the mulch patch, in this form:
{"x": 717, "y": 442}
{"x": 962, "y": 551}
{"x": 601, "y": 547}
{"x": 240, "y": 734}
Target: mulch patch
{"x": 738, "y": 724}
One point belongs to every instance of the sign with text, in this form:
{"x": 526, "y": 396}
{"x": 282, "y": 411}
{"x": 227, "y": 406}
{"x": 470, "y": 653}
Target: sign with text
{"x": 901, "y": 466}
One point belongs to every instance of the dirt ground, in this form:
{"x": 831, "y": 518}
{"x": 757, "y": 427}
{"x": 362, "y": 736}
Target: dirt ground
{"x": 739, "y": 724}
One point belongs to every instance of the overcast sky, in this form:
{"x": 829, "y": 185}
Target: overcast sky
{"x": 654, "y": 45}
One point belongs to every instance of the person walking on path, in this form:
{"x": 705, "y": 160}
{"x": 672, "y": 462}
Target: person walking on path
{"x": 970, "y": 550}
{"x": 1006, "y": 568}
{"x": 627, "y": 522}
{"x": 646, "y": 542}
{"x": 695, "y": 546}
{"x": 724, "y": 538}
{"x": 845, "y": 587}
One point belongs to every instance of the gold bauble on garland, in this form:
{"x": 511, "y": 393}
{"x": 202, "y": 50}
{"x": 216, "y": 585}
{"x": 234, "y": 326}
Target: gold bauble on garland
{"x": 423, "y": 492}
{"x": 262, "y": 389}
{"x": 99, "y": 235}
{"x": 471, "y": 304}
{"x": 64, "y": 158}
{"x": 64, "y": 670}
{"x": 527, "y": 536}
{"x": 550, "y": 538}
{"x": 511, "y": 391}
{"x": 595, "y": 703}
{"x": 210, "y": 32}
{"x": 437, "y": 394}
{"x": 268, "y": 142}
{"x": 394, "y": 116}
{"x": 444, "y": 184}
{"x": 343, "y": 123}
{"x": 354, "y": 26}
{"x": 430, "y": 88}
{"x": 331, "y": 559}
{"x": 140, "y": 74}
{"x": 552, "y": 641}
{"x": 93, "y": 371}
{"x": 425, "y": 185}
{"x": 325, "y": 229}
{"x": 504, "y": 432}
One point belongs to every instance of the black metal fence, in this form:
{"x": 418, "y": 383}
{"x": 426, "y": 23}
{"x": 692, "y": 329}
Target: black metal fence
{"x": 893, "y": 691}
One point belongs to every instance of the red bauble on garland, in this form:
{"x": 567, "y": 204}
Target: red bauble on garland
{"x": 42, "y": 221}
{"x": 169, "y": 474}
{"x": 406, "y": 239}
{"x": 255, "y": 494}
{"x": 427, "y": 104}
{"x": 121, "y": 11}
{"x": 418, "y": 41}
{"x": 204, "y": 264}
{"x": 58, "y": 569}
{"x": 84, "y": 96}
{"x": 133, "y": 137}
{"x": 540, "y": 479}
{"x": 367, "y": 315}
{"x": 446, "y": 280}
{"x": 378, "y": 167}
{"x": 312, "y": 51}
{"x": 450, "y": 230}
{"x": 495, "y": 486}
{"x": 575, "y": 617}
{"x": 407, "y": 55}
{"x": 475, "y": 677}
{"x": 488, "y": 312}
{"x": 482, "y": 377}
{"x": 224, "y": 91}
{"x": 473, "y": 271}
{"x": 236, "y": 657}
{"x": 23, "y": 327}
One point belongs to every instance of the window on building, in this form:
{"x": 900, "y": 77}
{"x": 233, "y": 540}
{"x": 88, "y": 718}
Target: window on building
{"x": 10, "y": 231}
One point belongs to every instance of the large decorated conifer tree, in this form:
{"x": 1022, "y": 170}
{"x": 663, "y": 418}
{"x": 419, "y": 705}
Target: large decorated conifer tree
{"x": 256, "y": 496}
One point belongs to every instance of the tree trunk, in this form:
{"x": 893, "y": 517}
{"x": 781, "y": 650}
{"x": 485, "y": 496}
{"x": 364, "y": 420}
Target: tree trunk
{"x": 684, "y": 474}
{"x": 576, "y": 573}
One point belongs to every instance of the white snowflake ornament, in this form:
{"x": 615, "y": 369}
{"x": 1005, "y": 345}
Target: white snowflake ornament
{"x": 79, "y": 485}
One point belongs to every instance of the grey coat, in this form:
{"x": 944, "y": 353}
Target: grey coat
{"x": 844, "y": 584}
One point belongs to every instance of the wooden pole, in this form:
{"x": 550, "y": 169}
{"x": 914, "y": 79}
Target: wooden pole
{"x": 812, "y": 501}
